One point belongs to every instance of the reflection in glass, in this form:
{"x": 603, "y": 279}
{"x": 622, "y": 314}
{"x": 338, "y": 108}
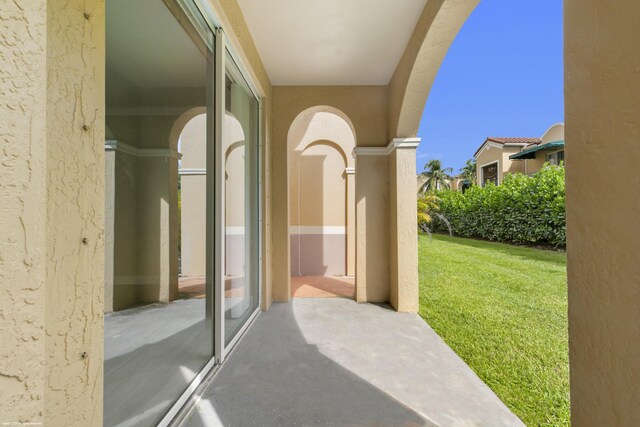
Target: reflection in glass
{"x": 158, "y": 329}
{"x": 240, "y": 148}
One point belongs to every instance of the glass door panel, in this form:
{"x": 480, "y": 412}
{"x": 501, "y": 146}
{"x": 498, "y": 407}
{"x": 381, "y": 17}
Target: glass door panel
{"x": 240, "y": 151}
{"x": 158, "y": 292}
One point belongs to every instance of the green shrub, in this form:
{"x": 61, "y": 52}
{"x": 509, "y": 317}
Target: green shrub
{"x": 521, "y": 210}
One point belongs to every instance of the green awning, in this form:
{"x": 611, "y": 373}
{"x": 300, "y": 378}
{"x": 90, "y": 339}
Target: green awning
{"x": 530, "y": 153}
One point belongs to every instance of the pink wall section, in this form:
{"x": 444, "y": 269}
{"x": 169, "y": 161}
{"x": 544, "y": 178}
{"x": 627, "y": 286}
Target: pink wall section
{"x": 318, "y": 254}
{"x": 234, "y": 254}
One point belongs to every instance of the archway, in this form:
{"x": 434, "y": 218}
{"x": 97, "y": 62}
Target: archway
{"x": 321, "y": 204}
{"x": 192, "y": 210}
{"x": 489, "y": 169}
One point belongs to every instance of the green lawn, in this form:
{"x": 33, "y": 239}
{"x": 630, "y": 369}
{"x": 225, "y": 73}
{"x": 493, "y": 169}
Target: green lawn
{"x": 503, "y": 309}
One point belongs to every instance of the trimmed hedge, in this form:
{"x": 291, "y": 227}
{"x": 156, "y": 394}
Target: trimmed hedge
{"x": 522, "y": 210}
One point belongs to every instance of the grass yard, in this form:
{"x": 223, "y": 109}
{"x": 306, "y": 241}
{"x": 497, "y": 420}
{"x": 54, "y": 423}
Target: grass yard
{"x": 503, "y": 309}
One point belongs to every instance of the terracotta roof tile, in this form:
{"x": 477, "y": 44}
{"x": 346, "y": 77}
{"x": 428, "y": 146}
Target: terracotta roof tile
{"x": 527, "y": 142}
{"x": 511, "y": 140}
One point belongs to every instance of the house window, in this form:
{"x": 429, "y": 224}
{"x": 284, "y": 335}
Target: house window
{"x": 490, "y": 174}
{"x": 556, "y": 158}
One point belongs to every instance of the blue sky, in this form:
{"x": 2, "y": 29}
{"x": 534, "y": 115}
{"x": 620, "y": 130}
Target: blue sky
{"x": 502, "y": 76}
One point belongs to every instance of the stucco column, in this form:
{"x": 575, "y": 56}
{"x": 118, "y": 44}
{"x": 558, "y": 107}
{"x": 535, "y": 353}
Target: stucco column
{"x": 602, "y": 133}
{"x": 403, "y": 239}
{"x": 351, "y": 221}
{"x": 372, "y": 224}
{"x": 109, "y": 225}
{"x": 158, "y": 227}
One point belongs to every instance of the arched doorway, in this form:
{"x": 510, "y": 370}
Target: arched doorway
{"x": 321, "y": 204}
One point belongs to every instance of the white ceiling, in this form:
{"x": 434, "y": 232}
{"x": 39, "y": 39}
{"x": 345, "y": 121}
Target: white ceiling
{"x": 331, "y": 42}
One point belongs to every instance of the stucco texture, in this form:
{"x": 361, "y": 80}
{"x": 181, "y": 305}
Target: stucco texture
{"x": 53, "y": 79}
{"x": 75, "y": 213}
{"x": 602, "y": 61}
{"x": 22, "y": 212}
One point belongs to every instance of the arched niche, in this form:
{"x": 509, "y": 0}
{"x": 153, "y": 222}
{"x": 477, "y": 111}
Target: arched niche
{"x": 322, "y": 123}
{"x": 320, "y": 142}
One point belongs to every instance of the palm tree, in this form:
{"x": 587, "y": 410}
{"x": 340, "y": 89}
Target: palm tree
{"x": 468, "y": 171}
{"x": 437, "y": 178}
{"x": 427, "y": 205}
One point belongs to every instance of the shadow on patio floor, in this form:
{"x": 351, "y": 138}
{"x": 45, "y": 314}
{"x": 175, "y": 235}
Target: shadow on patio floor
{"x": 333, "y": 362}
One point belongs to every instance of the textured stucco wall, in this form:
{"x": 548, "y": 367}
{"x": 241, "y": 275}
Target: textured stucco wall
{"x": 75, "y": 211}
{"x": 403, "y": 236}
{"x": 372, "y": 228}
{"x": 52, "y": 114}
{"x": 22, "y": 211}
{"x": 602, "y": 89}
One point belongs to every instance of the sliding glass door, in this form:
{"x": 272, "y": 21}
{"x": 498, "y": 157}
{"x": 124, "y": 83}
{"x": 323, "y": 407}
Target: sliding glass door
{"x": 159, "y": 126}
{"x": 240, "y": 137}
{"x": 182, "y": 205}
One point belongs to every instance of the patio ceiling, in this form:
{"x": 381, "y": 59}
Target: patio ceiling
{"x": 331, "y": 42}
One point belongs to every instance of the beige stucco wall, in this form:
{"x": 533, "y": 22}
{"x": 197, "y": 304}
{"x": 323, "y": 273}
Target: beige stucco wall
{"x": 534, "y": 165}
{"x": 602, "y": 118}
{"x": 508, "y": 165}
{"x": 372, "y": 229}
{"x": 317, "y": 193}
{"x": 403, "y": 237}
{"x": 23, "y": 78}
{"x": 75, "y": 211}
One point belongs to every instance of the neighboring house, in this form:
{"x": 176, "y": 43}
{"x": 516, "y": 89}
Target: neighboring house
{"x": 456, "y": 183}
{"x": 499, "y": 156}
{"x": 459, "y": 183}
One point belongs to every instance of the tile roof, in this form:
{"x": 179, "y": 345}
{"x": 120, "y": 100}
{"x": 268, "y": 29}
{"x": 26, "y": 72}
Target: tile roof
{"x": 527, "y": 142}
{"x": 517, "y": 140}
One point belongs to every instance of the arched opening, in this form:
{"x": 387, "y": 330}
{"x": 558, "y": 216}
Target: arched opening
{"x": 321, "y": 204}
{"x": 191, "y": 216}
{"x": 484, "y": 89}
{"x": 235, "y": 286}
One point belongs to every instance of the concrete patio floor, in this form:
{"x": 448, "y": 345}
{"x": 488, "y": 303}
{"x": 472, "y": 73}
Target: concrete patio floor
{"x": 323, "y": 287}
{"x": 334, "y": 362}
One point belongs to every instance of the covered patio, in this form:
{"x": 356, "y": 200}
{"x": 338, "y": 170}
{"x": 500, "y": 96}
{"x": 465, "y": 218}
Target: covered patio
{"x": 332, "y": 361}
{"x": 98, "y": 92}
